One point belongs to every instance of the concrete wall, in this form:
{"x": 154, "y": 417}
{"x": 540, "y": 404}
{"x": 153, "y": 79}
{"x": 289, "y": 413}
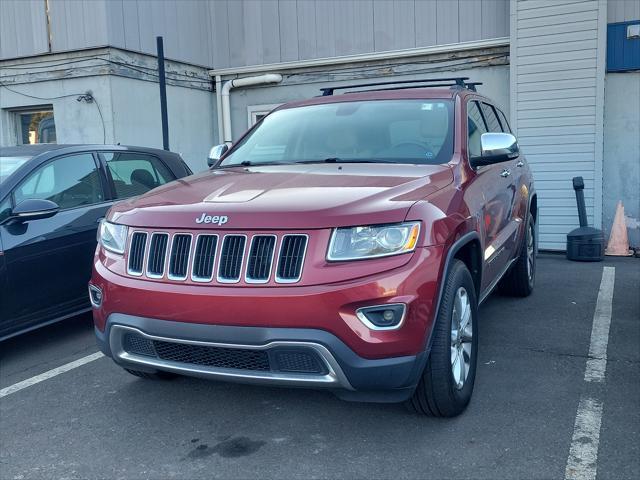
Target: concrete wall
{"x": 76, "y": 122}
{"x": 130, "y": 110}
{"x": 192, "y": 118}
{"x": 622, "y": 151}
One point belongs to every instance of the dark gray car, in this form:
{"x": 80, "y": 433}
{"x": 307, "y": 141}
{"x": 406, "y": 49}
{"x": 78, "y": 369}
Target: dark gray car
{"x": 52, "y": 198}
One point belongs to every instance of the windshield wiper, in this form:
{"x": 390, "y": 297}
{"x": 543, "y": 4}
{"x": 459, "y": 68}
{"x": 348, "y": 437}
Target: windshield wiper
{"x": 249, "y": 163}
{"x": 344, "y": 160}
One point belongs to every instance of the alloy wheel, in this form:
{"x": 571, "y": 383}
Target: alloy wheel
{"x": 461, "y": 338}
{"x": 530, "y": 253}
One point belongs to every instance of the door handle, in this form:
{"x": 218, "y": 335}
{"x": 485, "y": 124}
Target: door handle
{"x": 505, "y": 173}
{"x": 520, "y": 163}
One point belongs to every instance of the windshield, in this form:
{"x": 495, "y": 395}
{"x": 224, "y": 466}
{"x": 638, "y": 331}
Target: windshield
{"x": 8, "y": 165}
{"x": 398, "y": 131}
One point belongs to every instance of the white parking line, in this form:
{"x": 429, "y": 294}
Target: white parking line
{"x": 583, "y": 455}
{"x": 16, "y": 387}
{"x": 597, "y": 362}
{"x": 582, "y": 463}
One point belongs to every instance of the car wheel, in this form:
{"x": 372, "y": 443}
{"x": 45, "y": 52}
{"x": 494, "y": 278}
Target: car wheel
{"x": 446, "y": 384}
{"x": 521, "y": 278}
{"x": 152, "y": 376}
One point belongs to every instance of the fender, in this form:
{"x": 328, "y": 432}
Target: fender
{"x": 451, "y": 253}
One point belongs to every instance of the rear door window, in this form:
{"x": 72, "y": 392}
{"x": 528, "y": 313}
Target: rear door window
{"x": 136, "y": 173}
{"x": 492, "y": 119}
{"x": 505, "y": 124}
{"x": 476, "y": 127}
{"x": 70, "y": 182}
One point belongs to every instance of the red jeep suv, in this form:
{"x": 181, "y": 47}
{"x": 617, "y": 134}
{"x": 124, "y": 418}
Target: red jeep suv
{"x": 344, "y": 242}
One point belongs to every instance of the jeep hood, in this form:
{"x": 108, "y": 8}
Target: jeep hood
{"x": 286, "y": 196}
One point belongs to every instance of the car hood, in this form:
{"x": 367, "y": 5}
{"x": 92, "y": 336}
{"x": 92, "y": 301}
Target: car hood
{"x": 299, "y": 196}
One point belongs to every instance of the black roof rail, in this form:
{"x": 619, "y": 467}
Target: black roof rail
{"x": 427, "y": 82}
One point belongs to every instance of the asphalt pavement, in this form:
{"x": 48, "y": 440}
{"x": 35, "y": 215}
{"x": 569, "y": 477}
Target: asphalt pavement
{"x": 97, "y": 421}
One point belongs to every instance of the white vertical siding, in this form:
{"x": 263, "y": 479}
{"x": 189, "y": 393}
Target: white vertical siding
{"x": 23, "y": 28}
{"x": 623, "y": 10}
{"x": 229, "y": 33}
{"x": 557, "y": 91}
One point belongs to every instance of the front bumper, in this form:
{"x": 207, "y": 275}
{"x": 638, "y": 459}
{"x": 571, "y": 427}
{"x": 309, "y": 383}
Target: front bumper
{"x": 348, "y": 375}
{"x": 379, "y": 365}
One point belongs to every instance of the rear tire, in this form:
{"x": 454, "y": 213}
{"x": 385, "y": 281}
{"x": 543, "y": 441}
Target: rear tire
{"x": 446, "y": 384}
{"x": 152, "y": 376}
{"x": 520, "y": 280}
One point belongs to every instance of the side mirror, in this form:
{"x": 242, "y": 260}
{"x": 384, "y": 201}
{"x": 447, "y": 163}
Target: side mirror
{"x": 496, "y": 148}
{"x": 216, "y": 153}
{"x": 33, "y": 209}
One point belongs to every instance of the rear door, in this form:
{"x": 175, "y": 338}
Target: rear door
{"x": 48, "y": 261}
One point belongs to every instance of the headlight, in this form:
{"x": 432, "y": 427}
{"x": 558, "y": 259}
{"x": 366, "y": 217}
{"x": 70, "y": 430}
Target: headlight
{"x": 373, "y": 241}
{"x": 112, "y": 236}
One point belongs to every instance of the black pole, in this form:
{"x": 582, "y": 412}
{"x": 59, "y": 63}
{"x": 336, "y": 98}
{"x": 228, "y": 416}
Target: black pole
{"x": 578, "y": 186}
{"x": 163, "y": 94}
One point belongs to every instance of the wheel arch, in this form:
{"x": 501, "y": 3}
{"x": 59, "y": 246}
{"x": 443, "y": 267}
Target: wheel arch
{"x": 467, "y": 249}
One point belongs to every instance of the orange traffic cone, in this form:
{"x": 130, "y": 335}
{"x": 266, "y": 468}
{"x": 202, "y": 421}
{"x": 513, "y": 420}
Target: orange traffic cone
{"x": 618, "y": 240}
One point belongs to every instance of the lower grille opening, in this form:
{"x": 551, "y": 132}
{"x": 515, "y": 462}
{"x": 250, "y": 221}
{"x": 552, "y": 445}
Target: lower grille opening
{"x": 299, "y": 361}
{"x": 287, "y": 360}
{"x": 219, "y": 357}
{"x": 138, "y": 345}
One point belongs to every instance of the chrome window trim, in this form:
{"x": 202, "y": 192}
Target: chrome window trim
{"x": 362, "y": 317}
{"x": 304, "y": 256}
{"x": 195, "y": 278}
{"x": 242, "y": 259}
{"x": 186, "y": 274}
{"x": 144, "y": 254}
{"x": 248, "y": 279}
{"x": 165, "y": 266}
{"x": 335, "y": 377}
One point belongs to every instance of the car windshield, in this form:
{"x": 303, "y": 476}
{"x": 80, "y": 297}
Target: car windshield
{"x": 8, "y": 165}
{"x": 397, "y": 131}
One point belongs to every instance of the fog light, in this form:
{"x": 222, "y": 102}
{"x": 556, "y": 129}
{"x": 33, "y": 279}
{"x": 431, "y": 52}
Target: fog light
{"x": 382, "y": 317}
{"x": 95, "y": 295}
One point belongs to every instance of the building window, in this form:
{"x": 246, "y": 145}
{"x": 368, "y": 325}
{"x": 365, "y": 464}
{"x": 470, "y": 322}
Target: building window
{"x": 35, "y": 125}
{"x": 255, "y": 113}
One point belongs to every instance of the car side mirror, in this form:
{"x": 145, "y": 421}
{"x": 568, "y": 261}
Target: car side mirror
{"x": 216, "y": 153}
{"x": 496, "y": 148}
{"x": 33, "y": 209}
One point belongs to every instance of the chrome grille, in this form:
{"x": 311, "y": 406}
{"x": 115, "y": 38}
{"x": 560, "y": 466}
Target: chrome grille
{"x": 217, "y": 258}
{"x": 231, "y": 258}
{"x": 179, "y": 258}
{"x": 260, "y": 258}
{"x": 292, "y": 252}
{"x": 136, "y": 253}
{"x": 157, "y": 254}
{"x": 204, "y": 257}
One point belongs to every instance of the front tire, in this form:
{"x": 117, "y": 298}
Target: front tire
{"x": 446, "y": 384}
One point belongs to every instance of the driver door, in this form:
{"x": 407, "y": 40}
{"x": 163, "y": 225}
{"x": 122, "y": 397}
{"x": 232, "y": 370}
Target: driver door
{"x": 48, "y": 261}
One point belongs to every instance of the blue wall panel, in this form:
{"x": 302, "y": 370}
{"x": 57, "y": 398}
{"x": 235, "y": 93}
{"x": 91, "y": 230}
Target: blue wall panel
{"x": 622, "y": 54}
